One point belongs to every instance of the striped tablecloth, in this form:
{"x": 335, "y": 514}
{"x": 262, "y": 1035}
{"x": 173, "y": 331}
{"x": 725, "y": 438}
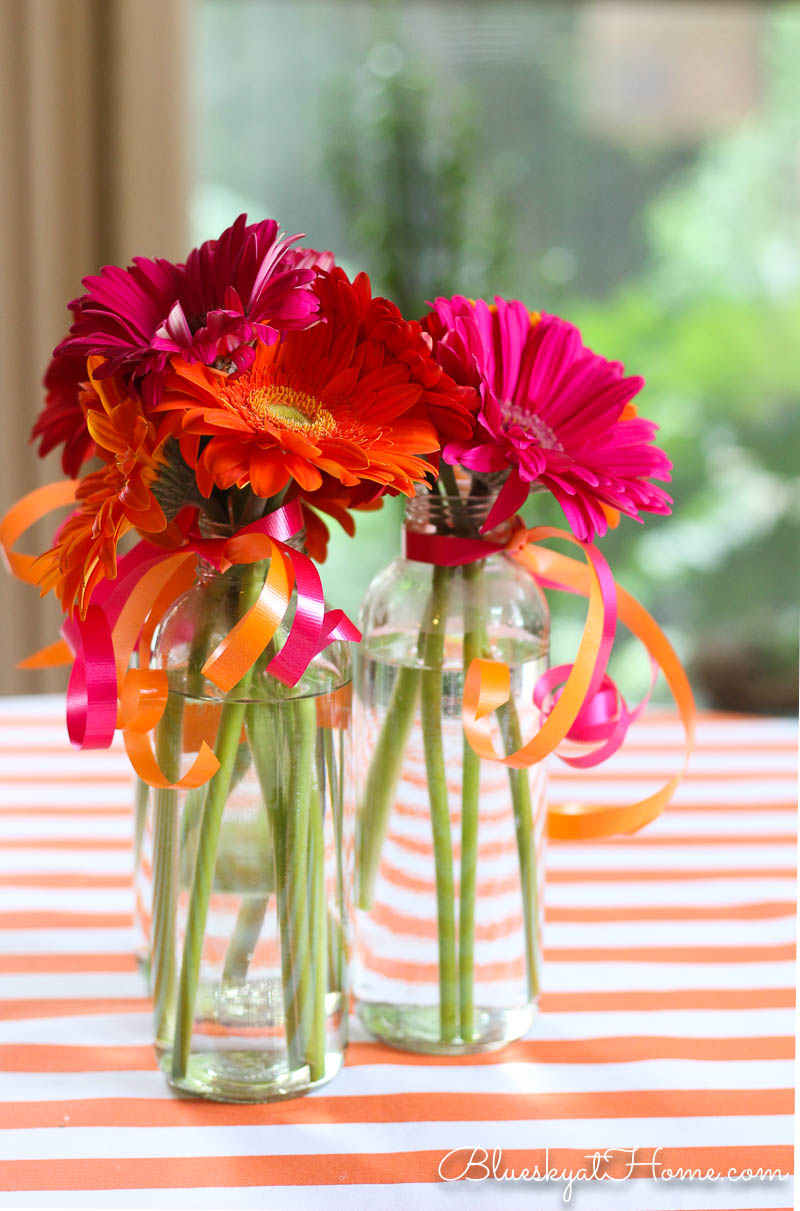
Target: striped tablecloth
{"x": 667, "y": 1024}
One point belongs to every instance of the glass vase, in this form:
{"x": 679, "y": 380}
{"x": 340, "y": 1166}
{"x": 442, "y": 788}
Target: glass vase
{"x": 249, "y": 953}
{"x": 448, "y": 846}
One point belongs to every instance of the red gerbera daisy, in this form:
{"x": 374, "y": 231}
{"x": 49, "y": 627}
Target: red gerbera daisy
{"x": 63, "y": 418}
{"x": 553, "y": 413}
{"x": 349, "y": 399}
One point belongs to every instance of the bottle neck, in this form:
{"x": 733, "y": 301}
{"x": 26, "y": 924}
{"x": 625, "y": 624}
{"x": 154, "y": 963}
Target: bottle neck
{"x": 208, "y": 571}
{"x": 437, "y": 513}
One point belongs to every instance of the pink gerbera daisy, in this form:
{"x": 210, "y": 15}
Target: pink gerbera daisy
{"x": 231, "y": 291}
{"x": 553, "y": 413}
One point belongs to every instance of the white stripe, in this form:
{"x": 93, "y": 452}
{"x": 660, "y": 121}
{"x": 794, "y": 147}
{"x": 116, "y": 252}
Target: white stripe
{"x": 66, "y": 795}
{"x": 621, "y": 976}
{"x": 62, "y": 827}
{"x": 109, "y": 940}
{"x": 375, "y": 1079}
{"x": 691, "y": 892}
{"x": 66, "y": 900}
{"x": 298, "y": 1139}
{"x": 135, "y": 1029}
{"x": 433, "y": 1196}
{"x": 57, "y": 861}
{"x": 25, "y": 985}
{"x": 722, "y": 824}
{"x": 645, "y": 1195}
{"x": 728, "y": 762}
{"x": 670, "y": 933}
{"x": 755, "y": 790}
{"x": 671, "y": 857}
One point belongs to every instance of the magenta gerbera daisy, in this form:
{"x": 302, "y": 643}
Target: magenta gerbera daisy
{"x": 553, "y": 414}
{"x": 230, "y": 292}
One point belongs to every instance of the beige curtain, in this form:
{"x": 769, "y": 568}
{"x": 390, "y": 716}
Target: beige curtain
{"x": 93, "y": 144}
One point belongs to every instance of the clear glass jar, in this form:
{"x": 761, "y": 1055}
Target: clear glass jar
{"x": 250, "y": 902}
{"x": 448, "y": 847}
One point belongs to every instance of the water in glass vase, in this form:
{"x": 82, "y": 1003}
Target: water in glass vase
{"x": 447, "y": 913}
{"x": 267, "y": 1016}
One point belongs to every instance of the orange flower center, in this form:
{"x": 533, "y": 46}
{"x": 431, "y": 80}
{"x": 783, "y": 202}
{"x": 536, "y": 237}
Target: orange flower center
{"x": 290, "y": 409}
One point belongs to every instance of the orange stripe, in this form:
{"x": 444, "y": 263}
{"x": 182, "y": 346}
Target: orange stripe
{"x": 603, "y": 1050}
{"x": 404, "y": 1108}
{"x": 664, "y": 875}
{"x": 52, "y": 1007}
{"x": 67, "y": 962}
{"x": 428, "y": 973}
{"x": 638, "y": 744}
{"x": 486, "y": 887}
{"x": 369, "y": 1168}
{"x": 63, "y": 879}
{"x": 683, "y": 998}
{"x": 716, "y": 839}
{"x": 743, "y": 805}
{"x": 756, "y": 776}
{"x": 47, "y": 1057}
{"x": 425, "y": 927}
{"x": 65, "y": 920}
{"x": 77, "y": 1058}
{"x": 492, "y": 849}
{"x": 496, "y": 887}
{"x": 671, "y": 954}
{"x": 675, "y": 912}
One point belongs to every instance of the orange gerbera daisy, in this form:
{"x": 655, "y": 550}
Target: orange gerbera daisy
{"x": 346, "y": 399}
{"x": 113, "y": 500}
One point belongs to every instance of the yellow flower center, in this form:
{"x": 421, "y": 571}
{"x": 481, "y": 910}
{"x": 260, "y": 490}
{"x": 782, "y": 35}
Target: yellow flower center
{"x": 290, "y": 409}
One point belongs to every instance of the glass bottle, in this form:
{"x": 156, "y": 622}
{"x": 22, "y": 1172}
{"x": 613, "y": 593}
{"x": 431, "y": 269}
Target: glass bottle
{"x": 448, "y": 846}
{"x": 250, "y": 887}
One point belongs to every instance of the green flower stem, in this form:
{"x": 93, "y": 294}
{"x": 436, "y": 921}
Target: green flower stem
{"x": 228, "y": 734}
{"x": 246, "y": 932}
{"x": 141, "y": 800}
{"x": 318, "y": 937}
{"x": 431, "y": 712}
{"x": 519, "y": 782}
{"x": 382, "y": 778}
{"x": 264, "y": 722}
{"x": 474, "y": 644}
{"x": 165, "y": 862}
{"x": 296, "y": 875}
{"x": 335, "y": 792}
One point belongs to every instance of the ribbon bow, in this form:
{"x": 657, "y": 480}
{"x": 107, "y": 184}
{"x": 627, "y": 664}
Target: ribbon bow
{"x": 579, "y": 701}
{"x": 104, "y": 694}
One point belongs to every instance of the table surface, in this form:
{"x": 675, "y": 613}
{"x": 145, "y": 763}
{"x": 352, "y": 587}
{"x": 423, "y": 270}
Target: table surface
{"x": 667, "y": 1020}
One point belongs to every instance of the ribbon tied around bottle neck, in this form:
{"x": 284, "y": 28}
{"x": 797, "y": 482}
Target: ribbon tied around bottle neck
{"x": 105, "y": 694}
{"x": 584, "y": 717}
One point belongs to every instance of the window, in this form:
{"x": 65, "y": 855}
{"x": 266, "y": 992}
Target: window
{"x": 632, "y": 166}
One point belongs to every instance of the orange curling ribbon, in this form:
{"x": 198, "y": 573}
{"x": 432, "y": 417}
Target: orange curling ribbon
{"x": 104, "y": 695}
{"x": 25, "y": 513}
{"x": 143, "y": 699}
{"x": 243, "y": 645}
{"x": 487, "y": 684}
